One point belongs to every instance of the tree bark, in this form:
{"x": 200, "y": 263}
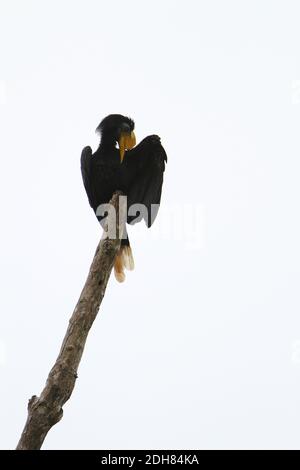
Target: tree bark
{"x": 46, "y": 410}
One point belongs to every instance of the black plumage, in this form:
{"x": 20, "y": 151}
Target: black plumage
{"x": 137, "y": 171}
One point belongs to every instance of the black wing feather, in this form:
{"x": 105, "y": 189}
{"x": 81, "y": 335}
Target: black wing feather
{"x": 147, "y": 163}
{"x": 86, "y": 163}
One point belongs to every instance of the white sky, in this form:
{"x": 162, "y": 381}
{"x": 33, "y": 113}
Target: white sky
{"x": 200, "y": 348}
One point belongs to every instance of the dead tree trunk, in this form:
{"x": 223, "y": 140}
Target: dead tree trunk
{"x": 46, "y": 410}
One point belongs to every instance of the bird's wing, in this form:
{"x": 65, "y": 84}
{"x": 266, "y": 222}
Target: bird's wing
{"x": 147, "y": 163}
{"x": 86, "y": 162}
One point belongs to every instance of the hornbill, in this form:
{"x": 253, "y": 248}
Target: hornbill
{"x": 136, "y": 170}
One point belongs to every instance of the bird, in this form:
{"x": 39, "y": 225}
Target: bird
{"x": 119, "y": 164}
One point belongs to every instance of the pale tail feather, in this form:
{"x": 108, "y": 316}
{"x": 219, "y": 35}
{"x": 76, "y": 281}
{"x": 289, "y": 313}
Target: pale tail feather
{"x": 124, "y": 260}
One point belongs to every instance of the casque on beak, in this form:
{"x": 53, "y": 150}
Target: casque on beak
{"x": 126, "y": 142}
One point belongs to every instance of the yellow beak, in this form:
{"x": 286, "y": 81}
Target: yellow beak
{"x": 126, "y": 142}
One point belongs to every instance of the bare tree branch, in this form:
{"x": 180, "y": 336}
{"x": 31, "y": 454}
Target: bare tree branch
{"x": 46, "y": 410}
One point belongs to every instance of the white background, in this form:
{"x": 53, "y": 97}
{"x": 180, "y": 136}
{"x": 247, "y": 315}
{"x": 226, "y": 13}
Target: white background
{"x": 200, "y": 347}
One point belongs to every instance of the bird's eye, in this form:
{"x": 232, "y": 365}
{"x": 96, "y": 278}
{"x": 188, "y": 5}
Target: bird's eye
{"x": 125, "y": 127}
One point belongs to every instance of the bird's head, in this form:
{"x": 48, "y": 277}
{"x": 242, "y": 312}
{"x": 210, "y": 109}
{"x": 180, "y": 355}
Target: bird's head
{"x": 118, "y": 129}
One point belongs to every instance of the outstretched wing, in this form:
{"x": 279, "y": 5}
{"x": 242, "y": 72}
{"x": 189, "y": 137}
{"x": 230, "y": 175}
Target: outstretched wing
{"x": 86, "y": 163}
{"x": 145, "y": 164}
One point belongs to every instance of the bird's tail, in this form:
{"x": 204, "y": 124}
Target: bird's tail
{"x": 124, "y": 260}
